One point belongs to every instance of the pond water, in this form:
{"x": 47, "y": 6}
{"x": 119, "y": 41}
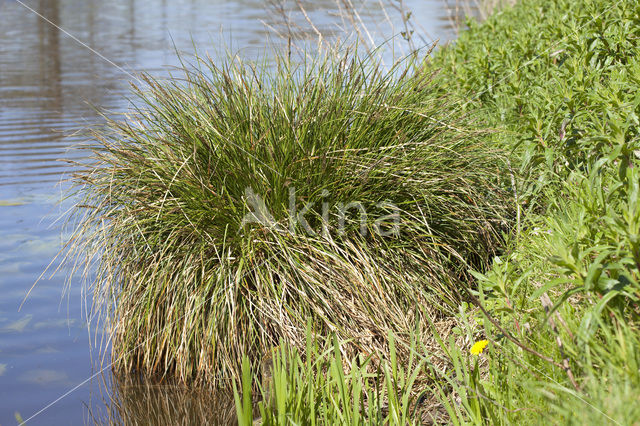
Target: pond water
{"x": 59, "y": 59}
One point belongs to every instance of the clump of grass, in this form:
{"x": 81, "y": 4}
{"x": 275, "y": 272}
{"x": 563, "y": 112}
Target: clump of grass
{"x": 187, "y": 286}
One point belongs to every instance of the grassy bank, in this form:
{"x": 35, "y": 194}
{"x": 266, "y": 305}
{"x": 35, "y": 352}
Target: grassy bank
{"x": 560, "y": 80}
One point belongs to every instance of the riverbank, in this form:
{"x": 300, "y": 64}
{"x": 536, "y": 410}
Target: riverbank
{"x": 512, "y": 154}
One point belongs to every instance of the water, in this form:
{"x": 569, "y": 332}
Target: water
{"x": 48, "y": 84}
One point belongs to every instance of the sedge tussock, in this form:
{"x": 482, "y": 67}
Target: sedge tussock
{"x": 186, "y": 286}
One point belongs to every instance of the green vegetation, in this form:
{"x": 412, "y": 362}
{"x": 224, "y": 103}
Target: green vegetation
{"x": 188, "y": 291}
{"x": 560, "y": 81}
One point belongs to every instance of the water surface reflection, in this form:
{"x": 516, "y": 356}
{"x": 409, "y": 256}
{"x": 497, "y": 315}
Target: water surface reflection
{"x": 133, "y": 402}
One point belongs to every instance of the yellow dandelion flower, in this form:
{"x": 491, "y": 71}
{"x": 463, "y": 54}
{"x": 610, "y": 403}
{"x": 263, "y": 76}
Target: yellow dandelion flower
{"x": 478, "y": 347}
